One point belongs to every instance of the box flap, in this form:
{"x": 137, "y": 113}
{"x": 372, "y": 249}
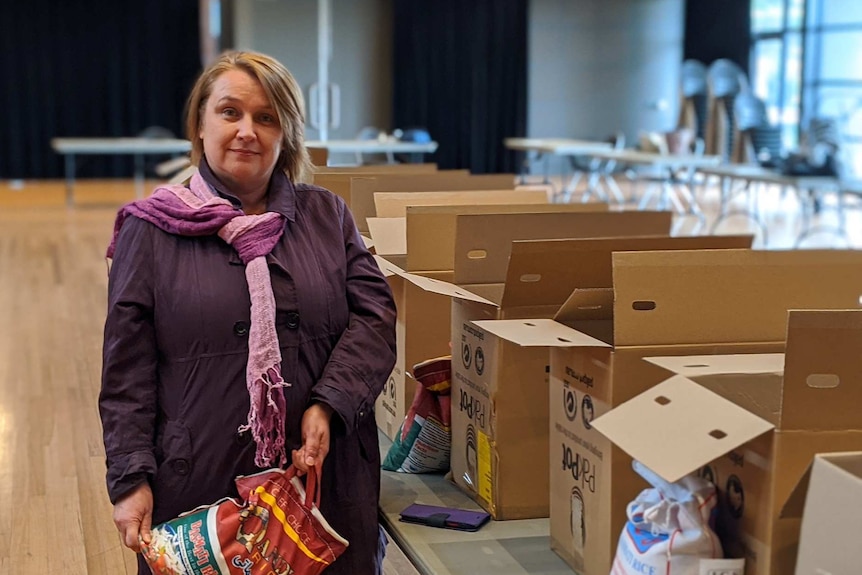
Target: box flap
{"x": 431, "y": 229}
{"x": 545, "y": 271}
{"x": 849, "y": 462}
{"x": 726, "y": 296}
{"x": 483, "y": 243}
{"x": 692, "y": 366}
{"x": 389, "y": 235}
{"x": 394, "y": 204}
{"x": 443, "y": 288}
{"x": 822, "y": 369}
{"x": 795, "y": 503}
{"x": 387, "y": 267}
{"x": 678, "y": 426}
{"x": 538, "y": 332}
{"x": 362, "y": 190}
{"x": 587, "y": 304}
{"x": 753, "y": 381}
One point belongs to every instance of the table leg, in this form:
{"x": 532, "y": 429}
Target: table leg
{"x": 70, "y": 179}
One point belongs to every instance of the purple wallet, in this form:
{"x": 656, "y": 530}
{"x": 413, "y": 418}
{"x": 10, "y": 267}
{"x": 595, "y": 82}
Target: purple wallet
{"x": 445, "y": 517}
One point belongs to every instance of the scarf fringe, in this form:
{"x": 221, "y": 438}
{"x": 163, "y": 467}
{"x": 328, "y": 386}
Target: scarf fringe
{"x": 266, "y": 417}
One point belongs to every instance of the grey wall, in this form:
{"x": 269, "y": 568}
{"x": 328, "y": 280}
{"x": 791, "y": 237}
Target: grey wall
{"x": 598, "y": 66}
{"x": 361, "y": 62}
{"x": 595, "y": 66}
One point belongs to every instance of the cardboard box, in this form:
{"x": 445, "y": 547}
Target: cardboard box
{"x": 394, "y": 204}
{"x": 661, "y": 303}
{"x": 752, "y": 424}
{"x": 831, "y": 492}
{"x": 408, "y": 236}
{"x": 423, "y": 328}
{"x": 361, "y": 192}
{"x": 337, "y": 180}
{"x": 424, "y": 317}
{"x": 540, "y": 275}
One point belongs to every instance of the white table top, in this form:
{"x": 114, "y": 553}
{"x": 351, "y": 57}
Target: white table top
{"x": 170, "y": 145}
{"x": 373, "y": 146}
{"x": 120, "y": 145}
{"x": 554, "y": 145}
{"x": 653, "y": 158}
{"x": 755, "y": 173}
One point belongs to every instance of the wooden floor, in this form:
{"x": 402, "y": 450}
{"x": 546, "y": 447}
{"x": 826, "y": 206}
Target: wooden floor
{"x": 54, "y": 514}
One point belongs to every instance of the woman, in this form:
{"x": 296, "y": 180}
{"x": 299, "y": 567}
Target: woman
{"x": 196, "y": 389}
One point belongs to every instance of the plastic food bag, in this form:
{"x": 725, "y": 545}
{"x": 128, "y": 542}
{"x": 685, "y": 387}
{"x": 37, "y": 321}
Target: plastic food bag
{"x": 669, "y": 529}
{"x": 277, "y": 529}
{"x": 424, "y": 440}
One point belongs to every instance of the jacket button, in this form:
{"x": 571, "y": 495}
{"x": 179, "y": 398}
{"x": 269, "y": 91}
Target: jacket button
{"x": 292, "y": 320}
{"x": 181, "y": 467}
{"x": 240, "y": 328}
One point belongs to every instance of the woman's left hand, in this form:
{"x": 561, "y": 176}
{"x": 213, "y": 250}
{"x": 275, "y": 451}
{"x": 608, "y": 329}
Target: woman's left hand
{"x": 315, "y": 438}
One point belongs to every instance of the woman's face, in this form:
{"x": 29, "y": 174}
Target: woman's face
{"x": 240, "y": 132}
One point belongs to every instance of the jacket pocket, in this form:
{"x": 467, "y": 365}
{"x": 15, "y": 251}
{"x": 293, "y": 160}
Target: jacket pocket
{"x": 175, "y": 467}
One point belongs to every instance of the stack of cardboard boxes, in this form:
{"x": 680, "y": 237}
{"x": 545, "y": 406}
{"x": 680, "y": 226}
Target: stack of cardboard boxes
{"x": 559, "y": 318}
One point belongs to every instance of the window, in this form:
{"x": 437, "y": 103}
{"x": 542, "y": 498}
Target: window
{"x": 806, "y": 62}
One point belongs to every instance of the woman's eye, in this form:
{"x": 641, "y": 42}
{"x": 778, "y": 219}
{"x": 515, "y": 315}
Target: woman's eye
{"x": 229, "y": 112}
{"x": 267, "y": 118}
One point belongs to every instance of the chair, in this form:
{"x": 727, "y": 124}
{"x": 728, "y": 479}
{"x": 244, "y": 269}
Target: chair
{"x": 693, "y": 97}
{"x": 725, "y": 80}
{"x": 749, "y": 114}
{"x": 372, "y": 133}
{"x": 161, "y": 165}
{"x": 597, "y": 170}
{"x": 416, "y": 134}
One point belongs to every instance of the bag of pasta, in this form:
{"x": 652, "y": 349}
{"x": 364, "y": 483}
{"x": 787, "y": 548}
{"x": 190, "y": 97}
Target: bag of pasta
{"x": 276, "y": 528}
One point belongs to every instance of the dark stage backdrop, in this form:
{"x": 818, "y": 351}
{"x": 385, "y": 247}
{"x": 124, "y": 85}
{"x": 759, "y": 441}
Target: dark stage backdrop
{"x": 100, "y": 68}
{"x": 718, "y": 29}
{"x": 460, "y": 71}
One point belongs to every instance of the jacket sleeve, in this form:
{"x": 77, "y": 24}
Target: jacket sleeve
{"x": 127, "y": 401}
{"x": 364, "y": 356}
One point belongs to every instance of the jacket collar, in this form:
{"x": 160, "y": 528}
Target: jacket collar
{"x": 280, "y": 197}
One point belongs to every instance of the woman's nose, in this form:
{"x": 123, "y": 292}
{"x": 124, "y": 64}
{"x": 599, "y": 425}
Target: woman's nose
{"x": 245, "y": 128}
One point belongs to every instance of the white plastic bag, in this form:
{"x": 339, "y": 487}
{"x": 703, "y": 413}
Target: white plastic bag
{"x": 669, "y": 528}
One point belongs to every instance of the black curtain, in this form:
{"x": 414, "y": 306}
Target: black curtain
{"x": 460, "y": 71}
{"x": 718, "y": 29}
{"x": 91, "y": 68}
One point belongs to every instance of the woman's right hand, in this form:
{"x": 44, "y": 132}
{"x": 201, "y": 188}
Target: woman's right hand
{"x": 133, "y": 516}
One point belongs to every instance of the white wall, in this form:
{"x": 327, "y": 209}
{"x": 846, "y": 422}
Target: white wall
{"x": 361, "y": 63}
{"x": 598, "y": 66}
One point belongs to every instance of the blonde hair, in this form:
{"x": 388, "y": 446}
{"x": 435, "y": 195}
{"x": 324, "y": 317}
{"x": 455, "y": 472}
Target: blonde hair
{"x": 284, "y": 94}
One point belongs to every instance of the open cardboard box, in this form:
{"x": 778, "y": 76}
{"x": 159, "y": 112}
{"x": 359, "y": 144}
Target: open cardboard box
{"x": 495, "y": 453}
{"x": 394, "y": 204}
{"x": 362, "y": 189}
{"x": 423, "y": 328}
{"x": 406, "y": 238}
{"x": 540, "y": 277}
{"x": 661, "y": 303}
{"x": 831, "y": 495}
{"x": 337, "y": 180}
{"x": 752, "y": 424}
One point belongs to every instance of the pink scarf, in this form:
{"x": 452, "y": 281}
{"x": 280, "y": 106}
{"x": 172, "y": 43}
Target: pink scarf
{"x": 199, "y": 212}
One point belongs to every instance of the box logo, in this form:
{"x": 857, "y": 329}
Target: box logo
{"x": 587, "y": 411}
{"x": 480, "y": 360}
{"x": 570, "y": 401}
{"x": 466, "y": 354}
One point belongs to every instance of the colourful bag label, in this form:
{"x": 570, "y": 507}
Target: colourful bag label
{"x": 274, "y": 532}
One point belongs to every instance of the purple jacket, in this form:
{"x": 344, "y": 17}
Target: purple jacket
{"x": 176, "y": 344}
